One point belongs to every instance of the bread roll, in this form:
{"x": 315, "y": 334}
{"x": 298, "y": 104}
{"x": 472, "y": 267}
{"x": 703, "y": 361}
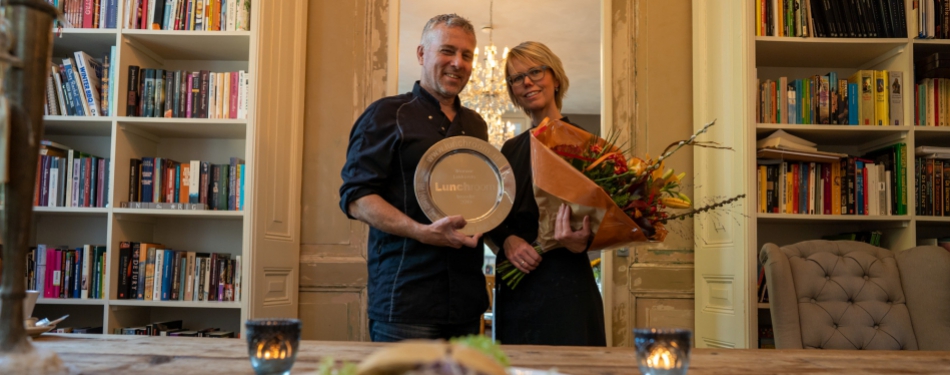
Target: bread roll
{"x": 429, "y": 358}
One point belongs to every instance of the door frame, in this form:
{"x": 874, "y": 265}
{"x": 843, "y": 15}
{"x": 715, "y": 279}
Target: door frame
{"x": 606, "y": 107}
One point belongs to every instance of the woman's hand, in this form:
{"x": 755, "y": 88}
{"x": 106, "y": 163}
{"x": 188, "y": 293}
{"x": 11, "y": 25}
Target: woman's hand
{"x": 575, "y": 241}
{"x": 520, "y": 253}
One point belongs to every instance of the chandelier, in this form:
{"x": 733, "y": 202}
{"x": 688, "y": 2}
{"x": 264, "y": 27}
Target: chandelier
{"x": 486, "y": 92}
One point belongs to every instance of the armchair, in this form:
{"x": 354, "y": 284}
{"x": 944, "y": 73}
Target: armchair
{"x": 851, "y": 295}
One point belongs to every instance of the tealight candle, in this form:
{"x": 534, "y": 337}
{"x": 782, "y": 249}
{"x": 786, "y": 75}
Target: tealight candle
{"x": 662, "y": 351}
{"x": 272, "y": 344}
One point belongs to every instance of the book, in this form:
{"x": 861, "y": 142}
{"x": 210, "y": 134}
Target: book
{"x": 896, "y": 93}
{"x": 926, "y": 150}
{"x": 87, "y": 269}
{"x": 779, "y": 139}
{"x": 840, "y": 113}
{"x": 164, "y": 206}
{"x": 135, "y": 168}
{"x": 148, "y": 173}
{"x": 864, "y": 79}
{"x": 134, "y": 261}
{"x": 90, "y": 74}
{"x": 125, "y": 269}
{"x": 815, "y": 156}
{"x": 221, "y": 334}
{"x": 158, "y": 273}
{"x": 168, "y": 272}
{"x": 881, "y": 98}
{"x": 73, "y": 82}
{"x": 149, "y": 285}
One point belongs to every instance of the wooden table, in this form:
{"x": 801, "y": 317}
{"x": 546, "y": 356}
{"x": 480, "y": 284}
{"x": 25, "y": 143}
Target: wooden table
{"x": 101, "y": 354}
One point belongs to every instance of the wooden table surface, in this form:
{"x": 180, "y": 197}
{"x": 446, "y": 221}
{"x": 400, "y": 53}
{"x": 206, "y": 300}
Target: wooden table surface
{"x": 105, "y": 354}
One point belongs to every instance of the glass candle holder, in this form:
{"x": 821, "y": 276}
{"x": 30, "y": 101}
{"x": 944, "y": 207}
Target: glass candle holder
{"x": 662, "y": 351}
{"x": 272, "y": 344}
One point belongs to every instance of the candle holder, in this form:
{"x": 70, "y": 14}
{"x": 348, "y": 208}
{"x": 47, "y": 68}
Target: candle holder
{"x": 272, "y": 344}
{"x": 26, "y": 45}
{"x": 662, "y": 351}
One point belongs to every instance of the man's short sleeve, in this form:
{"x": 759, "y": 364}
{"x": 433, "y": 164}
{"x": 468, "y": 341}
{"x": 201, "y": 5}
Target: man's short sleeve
{"x": 369, "y": 155}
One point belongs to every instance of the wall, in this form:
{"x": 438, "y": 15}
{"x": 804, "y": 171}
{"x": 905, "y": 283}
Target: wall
{"x": 587, "y": 122}
{"x": 346, "y": 71}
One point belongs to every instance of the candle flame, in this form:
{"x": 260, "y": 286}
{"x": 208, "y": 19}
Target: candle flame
{"x": 661, "y": 358}
{"x": 273, "y": 350}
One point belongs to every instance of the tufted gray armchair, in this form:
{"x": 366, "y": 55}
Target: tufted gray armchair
{"x": 851, "y": 295}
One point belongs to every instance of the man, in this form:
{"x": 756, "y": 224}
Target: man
{"x": 425, "y": 279}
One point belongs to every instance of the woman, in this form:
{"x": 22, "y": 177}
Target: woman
{"x": 558, "y": 302}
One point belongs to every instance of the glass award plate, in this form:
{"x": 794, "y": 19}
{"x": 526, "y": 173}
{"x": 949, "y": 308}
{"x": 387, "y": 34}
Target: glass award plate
{"x": 465, "y": 176}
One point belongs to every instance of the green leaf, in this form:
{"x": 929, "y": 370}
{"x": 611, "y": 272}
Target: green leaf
{"x": 327, "y": 368}
{"x": 485, "y": 345}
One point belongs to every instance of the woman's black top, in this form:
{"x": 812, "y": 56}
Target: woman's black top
{"x": 556, "y": 304}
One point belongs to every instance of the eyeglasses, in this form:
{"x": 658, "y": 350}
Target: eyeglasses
{"x": 536, "y": 74}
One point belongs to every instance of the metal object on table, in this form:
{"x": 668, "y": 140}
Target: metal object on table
{"x": 28, "y": 37}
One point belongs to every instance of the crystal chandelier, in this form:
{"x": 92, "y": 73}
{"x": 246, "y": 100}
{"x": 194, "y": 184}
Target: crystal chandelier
{"x": 486, "y": 92}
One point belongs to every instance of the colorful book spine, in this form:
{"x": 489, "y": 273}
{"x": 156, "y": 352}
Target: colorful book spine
{"x": 853, "y": 110}
{"x": 168, "y": 270}
{"x": 881, "y": 98}
{"x": 896, "y": 92}
{"x": 134, "y": 271}
{"x": 148, "y": 173}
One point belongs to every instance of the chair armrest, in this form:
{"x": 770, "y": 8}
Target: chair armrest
{"x": 925, "y": 279}
{"x": 783, "y": 303}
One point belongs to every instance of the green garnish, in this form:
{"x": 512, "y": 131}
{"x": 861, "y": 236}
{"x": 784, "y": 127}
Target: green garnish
{"x": 485, "y": 345}
{"x": 327, "y": 368}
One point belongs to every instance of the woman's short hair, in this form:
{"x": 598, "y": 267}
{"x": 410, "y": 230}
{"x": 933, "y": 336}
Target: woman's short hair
{"x": 539, "y": 53}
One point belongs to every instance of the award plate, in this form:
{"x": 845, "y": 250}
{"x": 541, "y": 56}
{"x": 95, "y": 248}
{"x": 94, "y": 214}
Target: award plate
{"x": 465, "y": 176}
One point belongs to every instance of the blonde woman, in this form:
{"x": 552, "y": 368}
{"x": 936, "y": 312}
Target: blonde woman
{"x": 559, "y": 303}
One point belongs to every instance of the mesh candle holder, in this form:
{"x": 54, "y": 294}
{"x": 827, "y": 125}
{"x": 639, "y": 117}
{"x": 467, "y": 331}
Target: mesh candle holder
{"x": 272, "y": 344}
{"x": 662, "y": 351}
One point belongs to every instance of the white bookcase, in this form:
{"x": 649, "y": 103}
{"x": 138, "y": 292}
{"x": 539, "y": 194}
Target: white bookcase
{"x": 801, "y": 57}
{"x": 269, "y": 285}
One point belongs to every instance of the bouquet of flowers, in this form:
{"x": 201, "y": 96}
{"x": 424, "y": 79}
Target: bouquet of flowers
{"x": 627, "y": 200}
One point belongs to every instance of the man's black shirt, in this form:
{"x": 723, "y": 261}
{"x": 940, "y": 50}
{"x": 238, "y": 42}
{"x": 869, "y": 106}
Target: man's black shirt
{"x": 411, "y": 282}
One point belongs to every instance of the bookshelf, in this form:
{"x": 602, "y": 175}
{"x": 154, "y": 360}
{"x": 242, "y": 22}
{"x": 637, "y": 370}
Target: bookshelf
{"x": 797, "y": 57}
{"x": 269, "y": 286}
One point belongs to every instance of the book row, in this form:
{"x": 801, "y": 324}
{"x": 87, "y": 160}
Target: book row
{"x": 69, "y": 178}
{"x": 77, "y": 330}
{"x": 152, "y": 272}
{"x": 65, "y": 272}
{"x": 184, "y": 94}
{"x": 932, "y": 102}
{"x": 831, "y": 18}
{"x": 88, "y": 14}
{"x": 162, "y": 180}
{"x": 198, "y": 15}
{"x": 173, "y": 328}
{"x": 933, "y": 18}
{"x": 943, "y": 242}
{"x": 869, "y": 185}
{"x": 932, "y": 186}
{"x": 80, "y": 86}
{"x": 868, "y": 97}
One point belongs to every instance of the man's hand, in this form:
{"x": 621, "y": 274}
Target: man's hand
{"x": 575, "y": 241}
{"x": 444, "y": 232}
{"x": 521, "y": 254}
{"x": 378, "y": 213}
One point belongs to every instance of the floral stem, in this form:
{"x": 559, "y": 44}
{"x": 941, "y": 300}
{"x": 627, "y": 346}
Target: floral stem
{"x": 679, "y": 145}
{"x": 510, "y": 274}
{"x": 704, "y": 208}
{"x": 599, "y": 181}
